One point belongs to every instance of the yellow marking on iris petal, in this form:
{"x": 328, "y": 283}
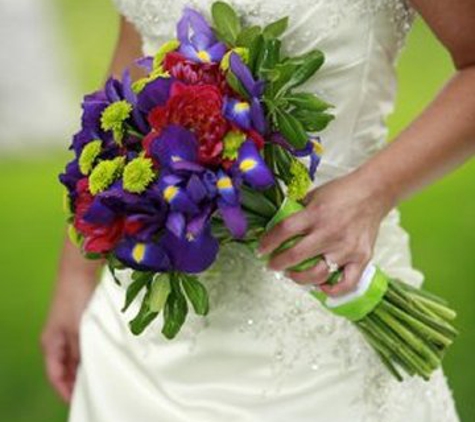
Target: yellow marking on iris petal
{"x": 169, "y": 193}
{"x": 318, "y": 148}
{"x": 224, "y": 183}
{"x": 204, "y": 56}
{"x": 190, "y": 236}
{"x": 241, "y": 107}
{"x": 247, "y": 164}
{"x": 138, "y": 252}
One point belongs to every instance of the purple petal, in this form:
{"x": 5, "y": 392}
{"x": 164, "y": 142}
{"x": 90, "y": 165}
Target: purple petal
{"x": 252, "y": 167}
{"x": 226, "y": 189}
{"x": 242, "y": 72}
{"x": 196, "y": 225}
{"x": 143, "y": 256}
{"x": 131, "y": 97}
{"x": 195, "y": 189}
{"x": 238, "y": 112}
{"x": 176, "y": 223}
{"x": 216, "y": 52}
{"x": 145, "y": 63}
{"x": 70, "y": 177}
{"x": 176, "y": 196}
{"x": 209, "y": 180}
{"x": 113, "y": 90}
{"x": 155, "y": 93}
{"x": 173, "y": 145}
{"x": 188, "y": 51}
{"x": 257, "y": 116}
{"x": 192, "y": 22}
{"x": 191, "y": 255}
{"x": 98, "y": 213}
{"x": 234, "y": 219}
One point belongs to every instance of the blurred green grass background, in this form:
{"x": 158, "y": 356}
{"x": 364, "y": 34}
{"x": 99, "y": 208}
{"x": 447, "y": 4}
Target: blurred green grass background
{"x": 440, "y": 220}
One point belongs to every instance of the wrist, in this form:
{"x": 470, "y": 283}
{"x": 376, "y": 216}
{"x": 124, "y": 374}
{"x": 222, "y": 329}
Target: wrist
{"x": 376, "y": 189}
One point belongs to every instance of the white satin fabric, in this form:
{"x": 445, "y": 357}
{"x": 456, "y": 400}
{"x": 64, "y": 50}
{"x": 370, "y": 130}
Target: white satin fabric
{"x": 268, "y": 351}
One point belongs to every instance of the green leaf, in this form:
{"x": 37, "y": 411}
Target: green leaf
{"x": 291, "y": 129}
{"x": 270, "y": 56}
{"x": 247, "y": 36}
{"x": 278, "y": 76}
{"x": 226, "y": 22}
{"x": 305, "y": 68}
{"x": 235, "y": 84}
{"x": 283, "y": 160}
{"x": 276, "y": 29}
{"x": 257, "y": 203}
{"x": 313, "y": 121}
{"x": 140, "y": 280}
{"x": 175, "y": 311}
{"x": 159, "y": 292}
{"x": 112, "y": 271}
{"x": 196, "y": 293}
{"x": 255, "y": 53}
{"x": 143, "y": 318}
{"x": 307, "y": 101}
{"x": 115, "y": 263}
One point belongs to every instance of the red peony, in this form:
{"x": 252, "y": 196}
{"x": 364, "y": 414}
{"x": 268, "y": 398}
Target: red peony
{"x": 192, "y": 73}
{"x": 97, "y": 238}
{"x": 199, "y": 109}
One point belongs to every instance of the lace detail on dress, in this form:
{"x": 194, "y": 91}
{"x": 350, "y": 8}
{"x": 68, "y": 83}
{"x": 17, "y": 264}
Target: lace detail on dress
{"x": 301, "y": 333}
{"x": 156, "y": 19}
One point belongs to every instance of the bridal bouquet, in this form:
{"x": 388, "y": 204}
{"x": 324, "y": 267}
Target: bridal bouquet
{"x": 205, "y": 150}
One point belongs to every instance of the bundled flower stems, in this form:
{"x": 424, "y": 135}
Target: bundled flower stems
{"x": 199, "y": 153}
{"x": 409, "y": 328}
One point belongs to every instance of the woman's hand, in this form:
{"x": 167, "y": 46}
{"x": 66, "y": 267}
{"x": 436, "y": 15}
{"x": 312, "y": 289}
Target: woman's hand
{"x": 341, "y": 222}
{"x": 77, "y": 279}
{"x": 59, "y": 339}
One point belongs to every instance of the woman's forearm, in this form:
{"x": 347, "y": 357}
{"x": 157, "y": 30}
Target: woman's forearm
{"x": 74, "y": 267}
{"x": 441, "y": 139}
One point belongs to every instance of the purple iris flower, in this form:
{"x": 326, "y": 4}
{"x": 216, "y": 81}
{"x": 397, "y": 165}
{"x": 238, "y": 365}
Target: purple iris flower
{"x": 197, "y": 40}
{"x": 252, "y": 167}
{"x": 155, "y": 93}
{"x": 70, "y": 177}
{"x": 143, "y": 256}
{"x": 177, "y": 150}
{"x": 311, "y": 149}
{"x": 230, "y": 206}
{"x": 138, "y": 118}
{"x": 145, "y": 213}
{"x": 254, "y": 89}
{"x": 190, "y": 253}
{"x": 238, "y": 112}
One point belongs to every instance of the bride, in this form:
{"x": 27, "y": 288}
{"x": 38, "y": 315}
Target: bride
{"x": 268, "y": 351}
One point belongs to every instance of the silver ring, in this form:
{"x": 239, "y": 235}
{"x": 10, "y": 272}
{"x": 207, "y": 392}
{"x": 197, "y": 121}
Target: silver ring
{"x": 332, "y": 266}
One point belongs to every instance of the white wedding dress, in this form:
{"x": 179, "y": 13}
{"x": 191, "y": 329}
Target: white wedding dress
{"x": 268, "y": 352}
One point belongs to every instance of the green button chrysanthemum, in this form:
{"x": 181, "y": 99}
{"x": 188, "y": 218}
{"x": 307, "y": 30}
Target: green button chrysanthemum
{"x": 300, "y": 182}
{"x": 113, "y": 118}
{"x": 232, "y": 142}
{"x": 104, "y": 174}
{"x": 168, "y": 47}
{"x": 88, "y": 155}
{"x": 138, "y": 174}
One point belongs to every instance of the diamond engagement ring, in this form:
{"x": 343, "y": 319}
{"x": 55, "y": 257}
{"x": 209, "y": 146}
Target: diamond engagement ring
{"x": 332, "y": 266}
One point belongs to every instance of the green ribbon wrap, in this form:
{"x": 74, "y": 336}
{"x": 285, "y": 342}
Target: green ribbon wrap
{"x": 354, "y": 305}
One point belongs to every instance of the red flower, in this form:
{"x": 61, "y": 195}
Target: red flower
{"x": 192, "y": 73}
{"x": 97, "y": 238}
{"x": 256, "y": 137}
{"x": 199, "y": 109}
